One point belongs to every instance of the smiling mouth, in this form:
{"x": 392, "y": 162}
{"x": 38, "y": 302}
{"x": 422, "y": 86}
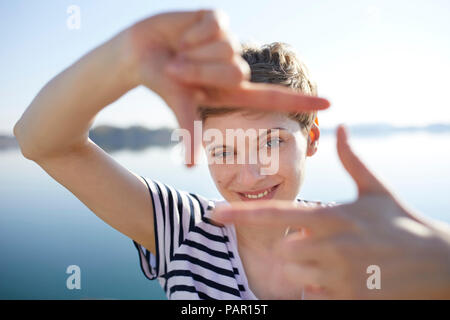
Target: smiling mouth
{"x": 264, "y": 194}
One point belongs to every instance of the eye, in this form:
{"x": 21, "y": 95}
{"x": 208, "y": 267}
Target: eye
{"x": 274, "y": 142}
{"x": 222, "y": 154}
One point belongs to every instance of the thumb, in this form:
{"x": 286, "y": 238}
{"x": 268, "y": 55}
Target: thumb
{"x": 184, "y": 107}
{"x": 365, "y": 180}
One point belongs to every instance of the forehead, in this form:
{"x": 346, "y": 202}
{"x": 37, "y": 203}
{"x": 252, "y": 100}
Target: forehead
{"x": 249, "y": 119}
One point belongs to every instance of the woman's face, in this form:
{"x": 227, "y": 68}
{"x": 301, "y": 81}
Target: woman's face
{"x": 246, "y": 180}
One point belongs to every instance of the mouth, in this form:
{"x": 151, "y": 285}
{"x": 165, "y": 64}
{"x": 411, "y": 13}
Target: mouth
{"x": 264, "y": 194}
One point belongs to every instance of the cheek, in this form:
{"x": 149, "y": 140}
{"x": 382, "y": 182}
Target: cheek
{"x": 292, "y": 165}
{"x": 221, "y": 174}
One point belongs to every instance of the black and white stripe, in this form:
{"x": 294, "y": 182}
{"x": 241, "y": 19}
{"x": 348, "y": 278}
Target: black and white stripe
{"x": 194, "y": 257}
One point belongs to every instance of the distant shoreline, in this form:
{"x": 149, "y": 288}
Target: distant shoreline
{"x": 112, "y": 139}
{"x": 376, "y": 129}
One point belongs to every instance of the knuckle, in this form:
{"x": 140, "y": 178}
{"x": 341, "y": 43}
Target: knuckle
{"x": 245, "y": 69}
{"x": 235, "y": 74}
{"x": 190, "y": 71}
{"x": 214, "y": 24}
{"x": 201, "y": 74}
{"x": 227, "y": 49}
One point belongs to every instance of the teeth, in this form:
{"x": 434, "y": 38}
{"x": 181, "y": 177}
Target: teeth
{"x": 257, "y": 196}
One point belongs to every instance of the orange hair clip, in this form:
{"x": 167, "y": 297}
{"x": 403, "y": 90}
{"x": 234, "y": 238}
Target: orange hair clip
{"x": 311, "y": 133}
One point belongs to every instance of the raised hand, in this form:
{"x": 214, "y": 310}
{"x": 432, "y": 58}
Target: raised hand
{"x": 190, "y": 58}
{"x": 411, "y": 252}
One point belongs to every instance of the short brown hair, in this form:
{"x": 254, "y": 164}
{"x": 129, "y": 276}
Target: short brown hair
{"x": 274, "y": 63}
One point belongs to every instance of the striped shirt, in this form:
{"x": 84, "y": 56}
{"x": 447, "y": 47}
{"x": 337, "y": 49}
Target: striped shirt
{"x": 195, "y": 258}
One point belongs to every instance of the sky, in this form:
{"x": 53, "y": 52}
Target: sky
{"x": 376, "y": 61}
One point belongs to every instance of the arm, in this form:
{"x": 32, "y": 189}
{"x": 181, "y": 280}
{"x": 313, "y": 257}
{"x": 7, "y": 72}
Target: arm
{"x": 59, "y": 117}
{"x": 53, "y": 132}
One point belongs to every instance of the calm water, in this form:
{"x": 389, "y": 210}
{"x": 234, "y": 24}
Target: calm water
{"x": 44, "y": 228}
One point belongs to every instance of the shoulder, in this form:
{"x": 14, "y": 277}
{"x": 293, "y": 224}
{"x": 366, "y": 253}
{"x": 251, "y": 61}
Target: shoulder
{"x": 178, "y": 200}
{"x": 165, "y": 190}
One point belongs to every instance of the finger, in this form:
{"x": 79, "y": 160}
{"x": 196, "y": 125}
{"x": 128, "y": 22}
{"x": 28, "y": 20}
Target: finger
{"x": 211, "y": 25}
{"x": 178, "y": 23}
{"x": 365, "y": 180}
{"x": 183, "y": 105}
{"x": 279, "y": 213}
{"x": 272, "y": 97}
{"x": 218, "y": 74}
{"x": 221, "y": 50}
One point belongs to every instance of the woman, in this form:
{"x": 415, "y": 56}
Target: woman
{"x": 189, "y": 59}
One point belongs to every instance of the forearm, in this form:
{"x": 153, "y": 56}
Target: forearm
{"x": 59, "y": 117}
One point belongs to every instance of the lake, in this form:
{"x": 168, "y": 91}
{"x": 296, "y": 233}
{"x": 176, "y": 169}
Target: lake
{"x": 44, "y": 228}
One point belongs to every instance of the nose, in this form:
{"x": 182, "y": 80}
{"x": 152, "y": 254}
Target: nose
{"x": 249, "y": 175}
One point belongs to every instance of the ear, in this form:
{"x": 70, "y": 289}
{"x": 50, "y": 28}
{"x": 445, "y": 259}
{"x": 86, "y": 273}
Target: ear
{"x": 313, "y": 140}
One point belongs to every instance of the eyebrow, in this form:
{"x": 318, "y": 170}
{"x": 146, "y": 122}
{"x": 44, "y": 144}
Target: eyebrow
{"x": 213, "y": 148}
{"x": 279, "y": 128}
{"x": 268, "y": 132}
